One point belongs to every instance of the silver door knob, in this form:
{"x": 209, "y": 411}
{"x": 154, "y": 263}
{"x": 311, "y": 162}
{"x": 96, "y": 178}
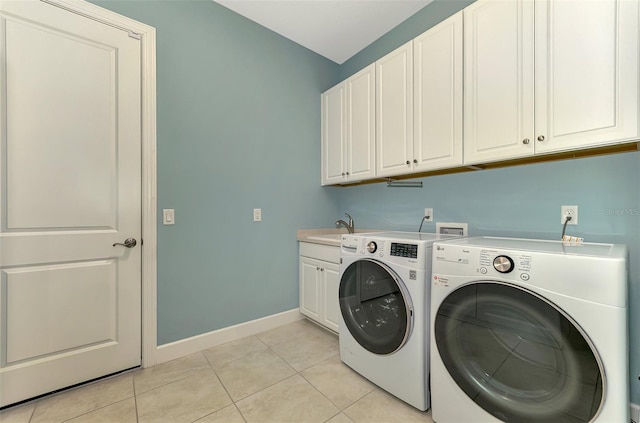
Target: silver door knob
{"x": 129, "y": 243}
{"x": 541, "y": 138}
{"x": 525, "y": 141}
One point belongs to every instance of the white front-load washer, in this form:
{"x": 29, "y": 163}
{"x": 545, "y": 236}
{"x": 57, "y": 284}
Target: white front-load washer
{"x": 528, "y": 331}
{"x": 384, "y": 310}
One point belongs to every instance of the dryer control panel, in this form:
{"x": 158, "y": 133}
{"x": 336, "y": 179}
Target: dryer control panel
{"x": 453, "y": 259}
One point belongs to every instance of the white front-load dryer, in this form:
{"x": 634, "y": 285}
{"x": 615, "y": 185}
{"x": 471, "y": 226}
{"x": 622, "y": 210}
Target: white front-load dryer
{"x": 528, "y": 331}
{"x": 384, "y": 311}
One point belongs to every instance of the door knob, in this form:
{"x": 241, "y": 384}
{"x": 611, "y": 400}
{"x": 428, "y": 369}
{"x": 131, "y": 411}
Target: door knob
{"x": 129, "y": 243}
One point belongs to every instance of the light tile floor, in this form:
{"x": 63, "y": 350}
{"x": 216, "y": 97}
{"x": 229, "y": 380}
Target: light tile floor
{"x": 289, "y": 374}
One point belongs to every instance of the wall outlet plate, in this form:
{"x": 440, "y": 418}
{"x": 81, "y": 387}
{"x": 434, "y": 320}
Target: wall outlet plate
{"x": 168, "y": 217}
{"x": 257, "y": 215}
{"x": 569, "y": 211}
{"x": 428, "y": 212}
{"x": 449, "y": 228}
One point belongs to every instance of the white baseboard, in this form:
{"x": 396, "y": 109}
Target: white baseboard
{"x": 635, "y": 413}
{"x": 197, "y": 343}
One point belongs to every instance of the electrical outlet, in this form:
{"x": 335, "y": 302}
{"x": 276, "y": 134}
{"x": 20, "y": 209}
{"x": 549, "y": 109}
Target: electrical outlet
{"x": 569, "y": 211}
{"x": 257, "y": 215}
{"x": 428, "y": 212}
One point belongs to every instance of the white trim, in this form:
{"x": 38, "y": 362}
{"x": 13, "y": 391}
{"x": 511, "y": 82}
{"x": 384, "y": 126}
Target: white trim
{"x": 197, "y": 343}
{"x": 149, "y": 178}
{"x": 635, "y": 413}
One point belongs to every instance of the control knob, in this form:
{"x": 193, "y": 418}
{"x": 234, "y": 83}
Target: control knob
{"x": 503, "y": 264}
{"x": 372, "y": 247}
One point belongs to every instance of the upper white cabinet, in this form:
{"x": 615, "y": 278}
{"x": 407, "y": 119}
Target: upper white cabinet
{"x": 545, "y": 76}
{"x": 348, "y": 131}
{"x": 419, "y": 110}
{"x": 498, "y": 80}
{"x": 437, "y": 97}
{"x": 334, "y": 135}
{"x": 394, "y": 112}
{"x": 586, "y": 73}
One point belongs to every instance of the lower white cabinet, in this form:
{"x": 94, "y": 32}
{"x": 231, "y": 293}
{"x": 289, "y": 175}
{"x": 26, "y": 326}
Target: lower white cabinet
{"x": 319, "y": 282}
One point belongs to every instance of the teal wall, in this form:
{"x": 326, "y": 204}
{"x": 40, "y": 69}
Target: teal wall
{"x": 239, "y": 127}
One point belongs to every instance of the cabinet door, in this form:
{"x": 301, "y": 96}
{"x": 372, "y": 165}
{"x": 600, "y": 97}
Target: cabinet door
{"x": 331, "y": 283}
{"x": 437, "y": 56}
{"x": 394, "y": 112}
{"x": 310, "y": 287}
{"x": 498, "y": 80}
{"x": 333, "y": 135}
{"x": 360, "y": 124}
{"x": 586, "y": 73}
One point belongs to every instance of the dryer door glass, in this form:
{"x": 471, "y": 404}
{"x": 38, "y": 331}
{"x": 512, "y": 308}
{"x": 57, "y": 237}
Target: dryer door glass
{"x": 375, "y": 306}
{"x": 517, "y": 356}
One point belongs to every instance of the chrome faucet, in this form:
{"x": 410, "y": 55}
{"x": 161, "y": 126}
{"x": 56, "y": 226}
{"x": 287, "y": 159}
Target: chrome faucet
{"x": 349, "y": 225}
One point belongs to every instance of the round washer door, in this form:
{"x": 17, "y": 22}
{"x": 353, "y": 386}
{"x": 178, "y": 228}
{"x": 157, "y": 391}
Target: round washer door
{"x": 375, "y": 306}
{"x": 517, "y": 355}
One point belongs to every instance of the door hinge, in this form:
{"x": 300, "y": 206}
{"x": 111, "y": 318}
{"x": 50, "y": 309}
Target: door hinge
{"x": 134, "y": 35}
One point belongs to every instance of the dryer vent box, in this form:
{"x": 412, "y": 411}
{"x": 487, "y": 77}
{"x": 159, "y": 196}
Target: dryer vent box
{"x": 460, "y": 229}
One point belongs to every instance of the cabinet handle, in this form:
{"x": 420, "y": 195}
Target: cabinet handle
{"x": 525, "y": 141}
{"x": 415, "y": 161}
{"x": 322, "y": 269}
{"x": 342, "y": 173}
{"x": 317, "y": 268}
{"x": 347, "y": 173}
{"x": 541, "y": 138}
{"x": 408, "y": 162}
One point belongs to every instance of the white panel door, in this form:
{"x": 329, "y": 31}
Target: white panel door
{"x": 586, "y": 73}
{"x": 70, "y": 179}
{"x": 498, "y": 80}
{"x": 394, "y": 112}
{"x": 437, "y": 58}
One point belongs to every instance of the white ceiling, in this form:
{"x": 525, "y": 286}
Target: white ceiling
{"x": 335, "y": 29}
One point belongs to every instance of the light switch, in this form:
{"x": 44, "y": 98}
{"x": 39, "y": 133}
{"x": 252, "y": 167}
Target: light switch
{"x": 168, "y": 217}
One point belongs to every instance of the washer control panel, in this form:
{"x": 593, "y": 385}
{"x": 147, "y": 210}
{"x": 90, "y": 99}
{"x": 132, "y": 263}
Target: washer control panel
{"x": 391, "y": 250}
{"x": 404, "y": 250}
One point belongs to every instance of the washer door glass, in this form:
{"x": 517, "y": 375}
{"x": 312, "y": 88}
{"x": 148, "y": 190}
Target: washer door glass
{"x": 517, "y": 356}
{"x": 375, "y": 307}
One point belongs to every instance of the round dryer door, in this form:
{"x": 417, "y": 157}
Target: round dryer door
{"x": 518, "y": 356}
{"x": 375, "y": 306}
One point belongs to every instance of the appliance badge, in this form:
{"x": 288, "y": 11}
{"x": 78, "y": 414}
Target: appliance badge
{"x": 440, "y": 281}
{"x": 412, "y": 275}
